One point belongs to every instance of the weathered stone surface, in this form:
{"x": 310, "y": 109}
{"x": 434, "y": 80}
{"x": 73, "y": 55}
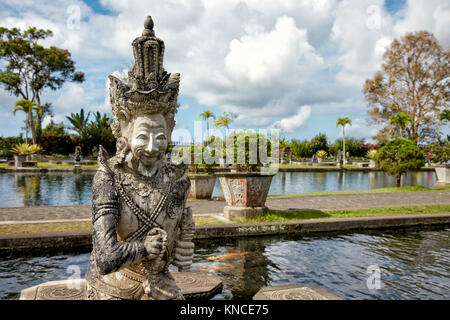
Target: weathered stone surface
{"x": 202, "y": 186}
{"x": 443, "y": 176}
{"x": 245, "y": 193}
{"x": 193, "y": 285}
{"x": 294, "y": 292}
{"x": 230, "y": 212}
{"x": 140, "y": 221}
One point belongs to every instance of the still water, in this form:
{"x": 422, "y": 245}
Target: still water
{"x": 414, "y": 263}
{"x": 22, "y": 189}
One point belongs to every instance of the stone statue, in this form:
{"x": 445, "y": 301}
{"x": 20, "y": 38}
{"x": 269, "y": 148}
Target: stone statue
{"x": 77, "y": 157}
{"x": 140, "y": 222}
{"x": 340, "y": 158}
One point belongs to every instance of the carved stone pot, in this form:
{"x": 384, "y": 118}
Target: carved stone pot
{"x": 443, "y": 176}
{"x": 202, "y": 186}
{"x": 19, "y": 160}
{"x": 245, "y": 193}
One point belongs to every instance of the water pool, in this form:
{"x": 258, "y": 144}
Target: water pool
{"x": 53, "y": 189}
{"x": 414, "y": 263}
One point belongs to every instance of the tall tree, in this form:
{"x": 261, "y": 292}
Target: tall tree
{"x": 29, "y": 67}
{"x": 26, "y": 106}
{"x": 413, "y": 80}
{"x": 206, "y": 115}
{"x": 343, "y": 122}
{"x": 42, "y": 111}
{"x": 225, "y": 119}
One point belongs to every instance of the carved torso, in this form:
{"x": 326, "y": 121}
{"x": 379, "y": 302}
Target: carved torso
{"x": 120, "y": 198}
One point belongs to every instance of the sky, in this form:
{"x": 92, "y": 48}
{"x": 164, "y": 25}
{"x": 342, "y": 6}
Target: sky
{"x": 294, "y": 65}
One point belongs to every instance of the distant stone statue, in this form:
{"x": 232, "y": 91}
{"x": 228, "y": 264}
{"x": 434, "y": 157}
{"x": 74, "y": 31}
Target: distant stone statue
{"x": 314, "y": 158}
{"x": 77, "y": 157}
{"x": 140, "y": 222}
{"x": 340, "y": 158}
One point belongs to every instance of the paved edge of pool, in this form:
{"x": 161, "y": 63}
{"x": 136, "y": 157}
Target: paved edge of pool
{"x": 18, "y": 242}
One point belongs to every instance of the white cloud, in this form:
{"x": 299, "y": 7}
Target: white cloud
{"x": 294, "y": 123}
{"x": 260, "y": 59}
{"x": 72, "y": 98}
{"x": 359, "y": 129}
{"x": 184, "y": 107}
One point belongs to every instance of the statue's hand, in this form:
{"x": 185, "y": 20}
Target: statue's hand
{"x": 155, "y": 243}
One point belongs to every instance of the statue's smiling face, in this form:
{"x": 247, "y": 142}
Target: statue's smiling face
{"x": 149, "y": 138}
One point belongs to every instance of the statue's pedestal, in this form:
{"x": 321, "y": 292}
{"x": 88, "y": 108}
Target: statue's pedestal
{"x": 193, "y": 285}
{"x": 294, "y": 292}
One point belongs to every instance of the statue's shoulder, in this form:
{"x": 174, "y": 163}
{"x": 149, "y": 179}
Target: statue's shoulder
{"x": 106, "y": 168}
{"x": 176, "y": 172}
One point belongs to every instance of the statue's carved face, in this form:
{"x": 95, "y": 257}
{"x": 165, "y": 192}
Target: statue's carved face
{"x": 149, "y": 138}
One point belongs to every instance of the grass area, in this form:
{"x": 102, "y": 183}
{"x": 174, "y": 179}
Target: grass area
{"x": 27, "y": 228}
{"x": 199, "y": 221}
{"x": 45, "y": 227}
{"x": 276, "y": 216}
{"x": 379, "y": 190}
{"x": 51, "y": 165}
{"x": 302, "y": 166}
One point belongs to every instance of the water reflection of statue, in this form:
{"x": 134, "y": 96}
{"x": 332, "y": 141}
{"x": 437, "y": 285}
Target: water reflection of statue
{"x": 140, "y": 223}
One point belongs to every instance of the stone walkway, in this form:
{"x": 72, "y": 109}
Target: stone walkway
{"x": 214, "y": 208}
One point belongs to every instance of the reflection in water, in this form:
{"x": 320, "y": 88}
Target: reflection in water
{"x": 25, "y": 189}
{"x": 414, "y": 263}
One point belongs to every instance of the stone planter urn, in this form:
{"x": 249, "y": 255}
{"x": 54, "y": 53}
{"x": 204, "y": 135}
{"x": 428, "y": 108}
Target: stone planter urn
{"x": 372, "y": 164}
{"x": 19, "y": 160}
{"x": 245, "y": 193}
{"x": 202, "y": 186}
{"x": 443, "y": 176}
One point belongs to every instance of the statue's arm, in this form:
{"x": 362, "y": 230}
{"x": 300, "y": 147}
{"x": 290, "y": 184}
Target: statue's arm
{"x": 109, "y": 253}
{"x": 184, "y": 246}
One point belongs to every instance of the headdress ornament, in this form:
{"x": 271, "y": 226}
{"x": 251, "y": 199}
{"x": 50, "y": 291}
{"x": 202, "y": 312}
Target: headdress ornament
{"x": 149, "y": 89}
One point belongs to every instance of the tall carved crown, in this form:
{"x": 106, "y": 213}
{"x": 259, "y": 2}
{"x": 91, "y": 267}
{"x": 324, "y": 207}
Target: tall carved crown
{"x": 149, "y": 89}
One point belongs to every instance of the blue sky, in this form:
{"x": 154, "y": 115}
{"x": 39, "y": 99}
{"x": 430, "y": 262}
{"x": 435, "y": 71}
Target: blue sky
{"x": 293, "y": 65}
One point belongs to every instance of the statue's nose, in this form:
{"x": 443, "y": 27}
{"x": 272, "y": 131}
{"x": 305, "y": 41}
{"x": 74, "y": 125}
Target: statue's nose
{"x": 151, "y": 147}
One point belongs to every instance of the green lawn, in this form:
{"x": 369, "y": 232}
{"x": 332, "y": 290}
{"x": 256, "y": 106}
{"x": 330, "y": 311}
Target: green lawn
{"x": 27, "y": 228}
{"x": 301, "y": 166}
{"x": 276, "y": 216}
{"x": 379, "y": 190}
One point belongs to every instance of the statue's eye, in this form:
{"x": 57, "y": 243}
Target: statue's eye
{"x": 142, "y": 136}
{"x": 161, "y": 136}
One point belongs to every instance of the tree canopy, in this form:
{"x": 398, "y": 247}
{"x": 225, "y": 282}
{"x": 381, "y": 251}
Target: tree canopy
{"x": 30, "y": 67}
{"x": 413, "y": 80}
{"x": 399, "y": 156}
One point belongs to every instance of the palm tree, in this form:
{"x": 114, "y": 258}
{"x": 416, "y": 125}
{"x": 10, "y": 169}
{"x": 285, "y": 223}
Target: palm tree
{"x": 343, "y": 122}
{"x": 399, "y": 124}
{"x": 206, "y": 115}
{"x": 225, "y": 120}
{"x": 79, "y": 121}
{"x": 445, "y": 115}
{"x": 27, "y": 107}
